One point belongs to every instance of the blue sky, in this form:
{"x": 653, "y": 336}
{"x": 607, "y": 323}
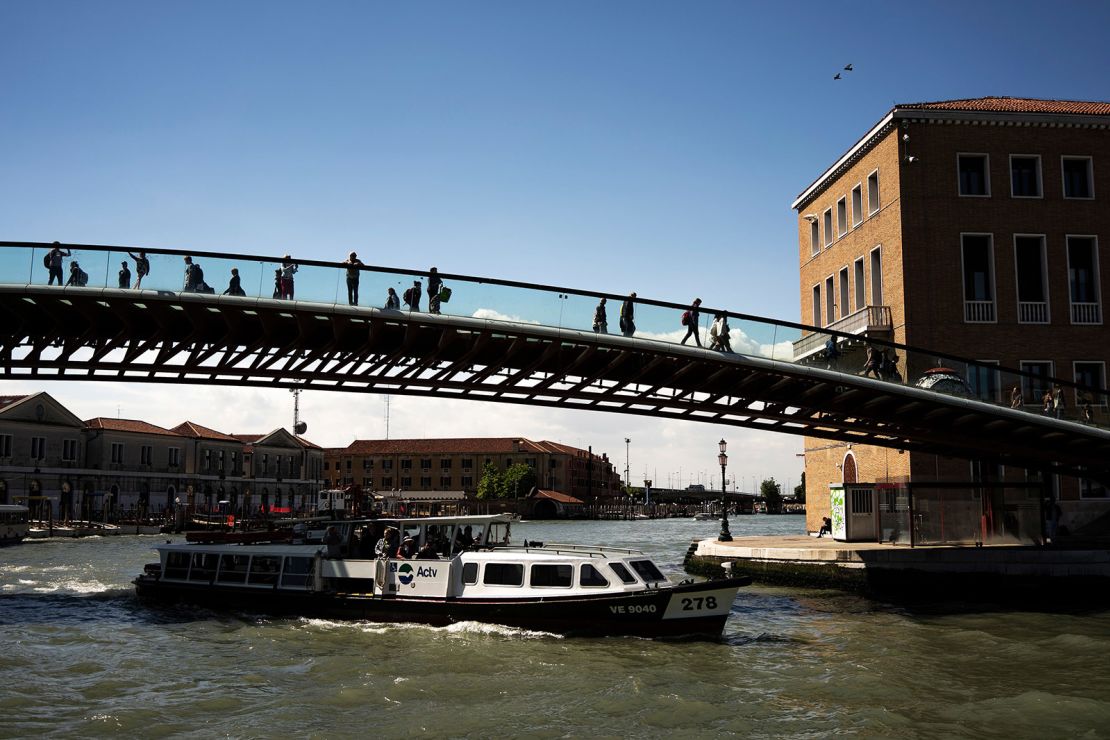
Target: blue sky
{"x": 618, "y": 146}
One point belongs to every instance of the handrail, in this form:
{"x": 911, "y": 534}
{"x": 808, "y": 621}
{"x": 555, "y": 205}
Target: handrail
{"x": 562, "y": 291}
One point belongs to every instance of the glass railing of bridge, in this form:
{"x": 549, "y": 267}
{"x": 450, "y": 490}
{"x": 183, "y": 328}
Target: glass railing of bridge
{"x": 571, "y": 310}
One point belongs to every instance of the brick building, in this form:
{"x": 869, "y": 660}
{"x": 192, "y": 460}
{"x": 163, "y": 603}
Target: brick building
{"x": 972, "y": 227}
{"x": 457, "y": 464}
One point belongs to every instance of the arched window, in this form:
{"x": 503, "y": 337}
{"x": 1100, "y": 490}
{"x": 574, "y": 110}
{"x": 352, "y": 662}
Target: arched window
{"x": 849, "y": 468}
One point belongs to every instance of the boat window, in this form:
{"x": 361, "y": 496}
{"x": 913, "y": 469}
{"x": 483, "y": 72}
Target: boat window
{"x": 177, "y": 565}
{"x": 297, "y": 572}
{"x": 203, "y": 566}
{"x": 233, "y": 568}
{"x": 551, "y": 576}
{"x": 264, "y": 570}
{"x": 622, "y": 572}
{"x": 504, "y": 574}
{"x": 470, "y": 573}
{"x": 647, "y": 571}
{"x": 591, "y": 577}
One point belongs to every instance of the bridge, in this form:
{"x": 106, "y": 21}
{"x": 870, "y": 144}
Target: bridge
{"x": 496, "y": 340}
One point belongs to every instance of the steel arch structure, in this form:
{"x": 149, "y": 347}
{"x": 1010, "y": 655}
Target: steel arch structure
{"x": 105, "y": 334}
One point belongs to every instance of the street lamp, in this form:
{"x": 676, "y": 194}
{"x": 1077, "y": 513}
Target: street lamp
{"x": 725, "y": 535}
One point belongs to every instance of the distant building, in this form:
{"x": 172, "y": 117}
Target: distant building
{"x": 69, "y": 468}
{"x": 975, "y": 228}
{"x": 457, "y": 464}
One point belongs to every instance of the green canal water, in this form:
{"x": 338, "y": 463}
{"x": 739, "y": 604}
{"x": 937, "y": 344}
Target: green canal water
{"x": 81, "y": 658}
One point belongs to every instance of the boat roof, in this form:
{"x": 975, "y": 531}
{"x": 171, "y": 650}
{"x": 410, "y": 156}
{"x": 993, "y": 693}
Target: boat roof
{"x": 13, "y": 507}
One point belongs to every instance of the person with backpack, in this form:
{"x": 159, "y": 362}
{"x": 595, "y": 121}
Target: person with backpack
{"x": 691, "y": 317}
{"x": 412, "y": 296}
{"x": 142, "y": 268}
{"x": 601, "y": 323}
{"x": 124, "y": 275}
{"x": 718, "y": 334}
{"x": 194, "y": 276}
{"x": 78, "y": 278}
{"x": 288, "y": 270}
{"x": 234, "y": 286}
{"x": 53, "y": 262}
{"x": 628, "y": 315}
{"x": 353, "y": 264}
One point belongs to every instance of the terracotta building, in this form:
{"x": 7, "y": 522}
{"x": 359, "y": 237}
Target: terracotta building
{"x": 975, "y": 228}
{"x": 457, "y": 464}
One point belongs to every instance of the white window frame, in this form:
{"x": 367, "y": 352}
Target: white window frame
{"x": 844, "y": 291}
{"x": 876, "y": 280}
{"x": 987, "y": 172}
{"x": 860, "y": 292}
{"x": 827, "y": 225}
{"x": 173, "y": 457}
{"x": 5, "y": 445}
{"x": 817, "y": 309}
{"x": 1097, "y": 278}
{"x": 69, "y": 450}
{"x": 997, "y": 381}
{"x": 1044, "y": 278}
{"x": 814, "y": 238}
{"x": 841, "y": 217}
{"x": 1040, "y": 176}
{"x": 830, "y": 298}
{"x": 874, "y": 203}
{"x": 857, "y": 205}
{"x": 1090, "y": 175}
{"x": 117, "y": 459}
{"x": 994, "y": 278}
{"x": 38, "y": 448}
{"x": 146, "y": 454}
{"x": 1075, "y": 377}
{"x": 1024, "y": 379}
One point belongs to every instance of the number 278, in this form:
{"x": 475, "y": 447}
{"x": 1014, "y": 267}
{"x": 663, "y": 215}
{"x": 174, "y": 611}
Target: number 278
{"x": 697, "y": 603}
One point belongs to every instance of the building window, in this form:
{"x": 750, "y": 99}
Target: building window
{"x": 425, "y": 481}
{"x": 406, "y": 481}
{"x": 860, "y": 297}
{"x": 873, "y": 193}
{"x": 387, "y": 465}
{"x": 1025, "y": 176}
{"x": 1091, "y": 489}
{"x": 5, "y": 445}
{"x": 841, "y": 217}
{"x": 1083, "y": 280}
{"x": 978, "y": 269}
{"x": 830, "y": 301}
{"x": 817, "y": 305}
{"x": 828, "y": 227}
{"x": 1035, "y": 383}
{"x": 445, "y": 481}
{"x": 467, "y": 463}
{"x": 173, "y": 457}
{"x": 235, "y": 463}
{"x": 985, "y": 381}
{"x": 208, "y": 459}
{"x": 814, "y": 238}
{"x": 445, "y": 464}
{"x": 117, "y": 453}
{"x": 877, "y": 276}
{"x": 1091, "y": 376}
{"x": 387, "y": 481}
{"x": 38, "y": 448}
{"x": 146, "y": 454}
{"x": 406, "y": 465}
{"x": 857, "y": 205}
{"x": 1032, "y": 279}
{"x": 367, "y": 464}
{"x": 467, "y": 482}
{"x": 1078, "y": 177}
{"x": 845, "y": 296}
{"x": 425, "y": 463}
{"x": 265, "y": 463}
{"x": 974, "y": 175}
{"x": 69, "y": 450}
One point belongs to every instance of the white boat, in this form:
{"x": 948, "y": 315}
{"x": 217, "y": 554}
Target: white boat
{"x": 564, "y": 589}
{"x": 705, "y": 516}
{"x": 14, "y": 523}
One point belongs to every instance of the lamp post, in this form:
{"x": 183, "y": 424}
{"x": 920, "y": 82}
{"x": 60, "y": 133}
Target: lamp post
{"x": 725, "y": 535}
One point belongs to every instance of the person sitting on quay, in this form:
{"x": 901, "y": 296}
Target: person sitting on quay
{"x": 826, "y": 527}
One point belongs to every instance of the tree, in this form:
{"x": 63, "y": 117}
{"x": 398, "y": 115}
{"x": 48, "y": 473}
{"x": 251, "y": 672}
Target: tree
{"x": 800, "y": 490}
{"x": 772, "y": 494}
{"x": 489, "y": 485}
{"x": 518, "y": 480}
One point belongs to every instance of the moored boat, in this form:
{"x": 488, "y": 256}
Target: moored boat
{"x": 14, "y": 523}
{"x": 466, "y": 571}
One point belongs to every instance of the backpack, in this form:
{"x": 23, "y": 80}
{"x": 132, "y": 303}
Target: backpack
{"x": 685, "y": 318}
{"x": 445, "y": 294}
{"x": 46, "y": 260}
{"x": 142, "y": 266}
{"x": 82, "y": 278}
{"x": 408, "y": 296}
{"x": 198, "y": 276}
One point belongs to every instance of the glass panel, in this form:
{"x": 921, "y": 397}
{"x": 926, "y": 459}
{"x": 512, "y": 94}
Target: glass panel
{"x": 591, "y": 577}
{"x": 544, "y": 575}
{"x": 203, "y": 566}
{"x": 177, "y": 565}
{"x": 622, "y": 572}
{"x": 470, "y": 573}
{"x": 504, "y": 574}
{"x": 647, "y": 571}
{"x": 264, "y": 570}
{"x": 233, "y": 568}
{"x": 297, "y": 572}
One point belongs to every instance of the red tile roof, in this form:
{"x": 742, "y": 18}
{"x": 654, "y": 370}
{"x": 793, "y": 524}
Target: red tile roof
{"x": 560, "y": 497}
{"x": 995, "y": 104}
{"x": 6, "y": 401}
{"x": 475, "y": 445}
{"x": 192, "y": 429}
{"x": 127, "y": 425}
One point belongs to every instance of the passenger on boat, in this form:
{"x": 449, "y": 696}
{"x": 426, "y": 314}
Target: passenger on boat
{"x": 334, "y": 542}
{"x": 387, "y": 545}
{"x": 464, "y": 540}
{"x": 427, "y": 552}
{"x": 366, "y": 542}
{"x": 407, "y": 550}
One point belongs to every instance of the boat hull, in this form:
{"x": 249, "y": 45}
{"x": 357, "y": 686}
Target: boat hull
{"x": 687, "y": 610}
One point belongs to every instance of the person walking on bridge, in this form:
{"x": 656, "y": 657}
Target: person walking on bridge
{"x": 691, "y": 318}
{"x": 288, "y": 270}
{"x": 142, "y": 268}
{"x": 628, "y": 315}
{"x": 601, "y": 323}
{"x": 435, "y": 285}
{"x": 353, "y": 264}
{"x": 411, "y": 296}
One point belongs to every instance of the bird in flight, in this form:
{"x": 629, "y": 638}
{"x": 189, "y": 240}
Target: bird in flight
{"x": 848, "y": 68}
{"x": 836, "y": 76}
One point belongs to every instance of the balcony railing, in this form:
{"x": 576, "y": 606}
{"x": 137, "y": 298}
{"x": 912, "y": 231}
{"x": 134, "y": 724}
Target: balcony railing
{"x": 866, "y": 321}
{"x": 979, "y": 312}
{"x": 1086, "y": 313}
{"x": 1033, "y": 312}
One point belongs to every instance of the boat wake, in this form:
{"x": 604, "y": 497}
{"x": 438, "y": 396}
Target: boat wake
{"x": 465, "y": 629}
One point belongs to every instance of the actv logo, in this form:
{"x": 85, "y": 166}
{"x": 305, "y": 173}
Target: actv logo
{"x": 404, "y": 574}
